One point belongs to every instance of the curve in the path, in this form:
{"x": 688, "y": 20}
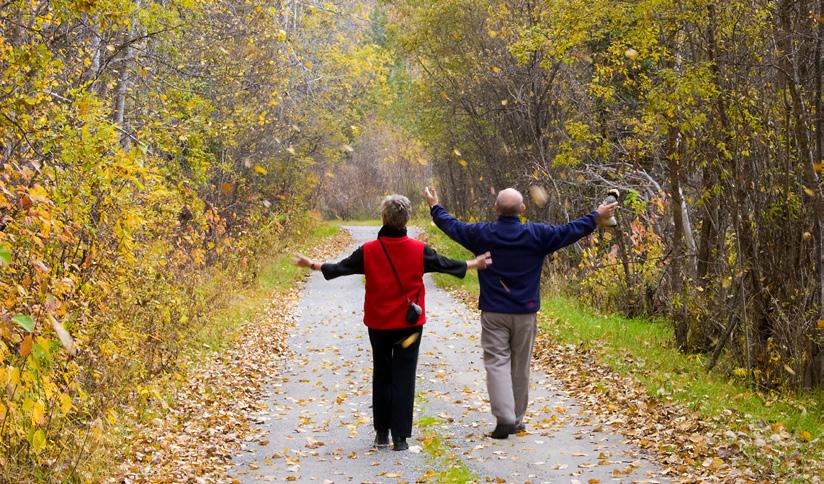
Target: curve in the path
{"x": 318, "y": 417}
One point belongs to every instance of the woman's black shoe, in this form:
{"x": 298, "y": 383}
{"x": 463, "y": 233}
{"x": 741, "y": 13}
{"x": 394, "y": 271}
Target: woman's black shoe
{"x": 401, "y": 444}
{"x": 381, "y": 439}
{"x": 503, "y": 431}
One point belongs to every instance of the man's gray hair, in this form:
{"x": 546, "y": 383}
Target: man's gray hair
{"x": 396, "y": 211}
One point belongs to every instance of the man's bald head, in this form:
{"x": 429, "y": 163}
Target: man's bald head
{"x": 510, "y": 203}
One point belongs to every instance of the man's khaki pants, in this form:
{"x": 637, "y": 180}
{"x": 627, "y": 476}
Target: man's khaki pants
{"x": 507, "y": 341}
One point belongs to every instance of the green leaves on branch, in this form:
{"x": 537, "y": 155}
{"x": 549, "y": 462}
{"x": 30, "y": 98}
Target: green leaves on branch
{"x": 5, "y": 255}
{"x": 24, "y": 321}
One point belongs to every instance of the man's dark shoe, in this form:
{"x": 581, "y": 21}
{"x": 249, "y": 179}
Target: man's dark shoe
{"x": 381, "y": 439}
{"x": 503, "y": 431}
{"x": 400, "y": 444}
{"x": 521, "y": 427}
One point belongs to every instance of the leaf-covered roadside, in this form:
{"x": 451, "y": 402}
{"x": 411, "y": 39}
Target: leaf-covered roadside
{"x": 150, "y": 153}
{"x": 690, "y": 446}
{"x": 208, "y": 415}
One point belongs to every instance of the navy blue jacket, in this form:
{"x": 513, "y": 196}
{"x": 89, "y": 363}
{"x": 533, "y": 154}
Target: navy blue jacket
{"x": 512, "y": 284}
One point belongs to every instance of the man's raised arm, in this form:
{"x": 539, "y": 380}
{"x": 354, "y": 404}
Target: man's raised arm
{"x": 461, "y": 232}
{"x": 559, "y": 236}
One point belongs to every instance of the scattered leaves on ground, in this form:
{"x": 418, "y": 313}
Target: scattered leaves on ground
{"x": 689, "y": 446}
{"x": 208, "y": 417}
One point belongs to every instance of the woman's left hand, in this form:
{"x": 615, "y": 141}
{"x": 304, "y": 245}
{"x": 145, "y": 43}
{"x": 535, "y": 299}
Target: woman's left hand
{"x": 481, "y": 262}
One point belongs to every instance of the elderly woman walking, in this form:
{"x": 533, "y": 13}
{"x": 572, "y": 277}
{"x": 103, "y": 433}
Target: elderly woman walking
{"x": 394, "y": 311}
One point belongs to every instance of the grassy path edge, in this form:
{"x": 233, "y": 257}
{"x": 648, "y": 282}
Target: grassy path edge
{"x": 720, "y": 419}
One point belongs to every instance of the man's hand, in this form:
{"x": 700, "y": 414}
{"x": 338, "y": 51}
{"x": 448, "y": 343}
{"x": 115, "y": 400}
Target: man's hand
{"x": 481, "y": 262}
{"x": 303, "y": 261}
{"x": 605, "y": 212}
{"x": 431, "y": 196}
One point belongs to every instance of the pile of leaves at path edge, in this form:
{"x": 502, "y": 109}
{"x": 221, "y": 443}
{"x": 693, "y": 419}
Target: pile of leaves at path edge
{"x": 208, "y": 417}
{"x": 690, "y": 447}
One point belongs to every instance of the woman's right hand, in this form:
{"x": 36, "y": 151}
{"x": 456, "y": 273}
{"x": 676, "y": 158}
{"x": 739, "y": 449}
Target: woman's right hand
{"x": 302, "y": 261}
{"x": 480, "y": 262}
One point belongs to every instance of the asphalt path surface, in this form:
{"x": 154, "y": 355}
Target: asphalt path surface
{"x": 318, "y": 419}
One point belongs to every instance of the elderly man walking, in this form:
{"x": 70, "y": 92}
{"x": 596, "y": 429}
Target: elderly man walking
{"x": 510, "y": 292}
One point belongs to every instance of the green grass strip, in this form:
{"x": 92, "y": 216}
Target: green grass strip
{"x": 644, "y": 349}
{"x": 446, "y": 467}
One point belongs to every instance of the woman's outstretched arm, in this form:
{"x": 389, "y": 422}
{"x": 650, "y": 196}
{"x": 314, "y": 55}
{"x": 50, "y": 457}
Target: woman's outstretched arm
{"x": 434, "y": 262}
{"x": 348, "y": 266}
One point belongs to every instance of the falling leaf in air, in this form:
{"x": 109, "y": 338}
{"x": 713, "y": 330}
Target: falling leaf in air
{"x": 539, "y": 195}
{"x": 410, "y": 340}
{"x": 65, "y": 338}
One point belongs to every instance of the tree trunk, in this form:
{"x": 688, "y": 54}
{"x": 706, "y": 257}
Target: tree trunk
{"x": 689, "y": 239}
{"x": 678, "y": 287}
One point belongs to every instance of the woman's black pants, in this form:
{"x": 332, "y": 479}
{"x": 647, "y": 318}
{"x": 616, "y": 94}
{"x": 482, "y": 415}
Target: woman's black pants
{"x": 393, "y": 379}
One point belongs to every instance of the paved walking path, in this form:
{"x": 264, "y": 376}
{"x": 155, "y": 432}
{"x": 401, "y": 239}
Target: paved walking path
{"x": 318, "y": 418}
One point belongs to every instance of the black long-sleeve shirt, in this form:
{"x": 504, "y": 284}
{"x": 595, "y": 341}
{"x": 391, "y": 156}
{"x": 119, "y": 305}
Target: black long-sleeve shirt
{"x": 432, "y": 261}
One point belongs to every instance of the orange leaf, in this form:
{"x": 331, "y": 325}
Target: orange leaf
{"x": 25, "y": 202}
{"x": 25, "y": 346}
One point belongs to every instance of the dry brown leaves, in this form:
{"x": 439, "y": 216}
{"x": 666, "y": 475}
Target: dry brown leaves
{"x": 690, "y": 447}
{"x": 208, "y": 416}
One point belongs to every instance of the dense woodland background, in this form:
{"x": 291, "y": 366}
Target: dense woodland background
{"x": 151, "y": 148}
{"x": 706, "y": 115}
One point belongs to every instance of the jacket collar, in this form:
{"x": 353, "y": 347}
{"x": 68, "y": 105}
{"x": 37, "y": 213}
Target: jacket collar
{"x": 506, "y": 219}
{"x": 387, "y": 231}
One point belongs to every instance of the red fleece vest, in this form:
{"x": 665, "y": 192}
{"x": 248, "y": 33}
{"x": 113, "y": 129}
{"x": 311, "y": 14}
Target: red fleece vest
{"x": 385, "y": 305}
